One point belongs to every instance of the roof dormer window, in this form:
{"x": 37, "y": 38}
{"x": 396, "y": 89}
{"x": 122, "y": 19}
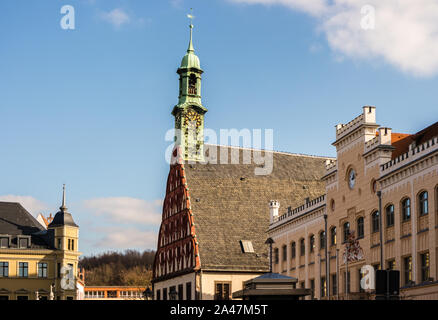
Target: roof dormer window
{"x": 247, "y": 246}
{"x": 23, "y": 242}
{"x": 4, "y": 242}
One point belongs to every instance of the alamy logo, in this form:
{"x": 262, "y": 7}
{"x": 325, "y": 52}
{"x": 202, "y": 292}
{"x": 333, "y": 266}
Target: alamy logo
{"x": 213, "y": 152}
{"x": 368, "y": 21}
{"x": 368, "y": 278}
{"x": 68, "y": 278}
{"x": 68, "y": 20}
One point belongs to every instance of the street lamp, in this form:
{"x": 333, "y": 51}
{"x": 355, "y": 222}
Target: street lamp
{"x": 173, "y": 293}
{"x": 148, "y": 294}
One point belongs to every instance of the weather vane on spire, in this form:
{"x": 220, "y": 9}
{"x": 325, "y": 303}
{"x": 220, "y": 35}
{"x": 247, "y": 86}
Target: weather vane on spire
{"x": 191, "y": 16}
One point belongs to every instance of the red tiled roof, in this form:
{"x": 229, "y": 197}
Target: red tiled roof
{"x": 402, "y": 141}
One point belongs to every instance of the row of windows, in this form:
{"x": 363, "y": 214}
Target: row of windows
{"x": 70, "y": 244}
{"x": 23, "y": 269}
{"x": 406, "y": 280}
{"x": 172, "y": 293}
{"x": 41, "y": 297}
{"x": 22, "y": 242}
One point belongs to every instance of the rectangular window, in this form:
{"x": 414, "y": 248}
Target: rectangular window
{"x": 23, "y": 243}
{"x": 391, "y": 264}
{"x": 302, "y": 247}
{"x": 59, "y": 244}
{"x": 276, "y": 258}
{"x": 407, "y": 269}
{"x": 323, "y": 287}
{"x": 312, "y": 287}
{"x": 247, "y": 246}
{"x": 4, "y": 269}
{"x": 222, "y": 291}
{"x": 22, "y": 298}
{"x": 69, "y": 243}
{"x": 58, "y": 270}
{"x": 4, "y": 242}
{"x": 164, "y": 293}
{"x": 424, "y": 258}
{"x": 158, "y": 294}
{"x": 188, "y": 291}
{"x": 390, "y": 216}
{"x": 23, "y": 269}
{"x": 293, "y": 250}
{"x": 334, "y": 284}
{"x": 284, "y": 253}
{"x": 406, "y": 209}
{"x": 42, "y": 270}
{"x": 180, "y": 292}
{"x": 72, "y": 244}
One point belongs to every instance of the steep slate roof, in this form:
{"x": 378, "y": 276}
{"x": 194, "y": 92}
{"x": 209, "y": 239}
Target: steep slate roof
{"x": 230, "y": 203}
{"x": 16, "y": 221}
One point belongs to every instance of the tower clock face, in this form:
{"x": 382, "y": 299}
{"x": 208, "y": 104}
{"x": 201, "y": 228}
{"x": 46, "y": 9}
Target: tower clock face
{"x": 351, "y": 178}
{"x": 192, "y": 117}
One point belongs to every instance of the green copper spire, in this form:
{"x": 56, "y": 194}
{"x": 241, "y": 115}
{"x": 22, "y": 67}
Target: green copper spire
{"x": 191, "y": 16}
{"x": 190, "y": 60}
{"x": 189, "y": 112}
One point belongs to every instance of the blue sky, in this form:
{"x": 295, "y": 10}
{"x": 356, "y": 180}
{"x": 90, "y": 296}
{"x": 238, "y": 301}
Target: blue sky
{"x": 90, "y": 107}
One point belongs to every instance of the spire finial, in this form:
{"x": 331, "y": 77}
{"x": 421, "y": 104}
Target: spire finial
{"x": 191, "y": 17}
{"x": 63, "y": 207}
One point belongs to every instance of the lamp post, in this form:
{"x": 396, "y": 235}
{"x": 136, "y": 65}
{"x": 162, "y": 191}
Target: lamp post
{"x": 148, "y": 294}
{"x": 327, "y": 258}
{"x": 379, "y": 194}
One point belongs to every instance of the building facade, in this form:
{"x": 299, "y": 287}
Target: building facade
{"x": 114, "y": 293}
{"x": 37, "y": 263}
{"x": 213, "y": 230}
{"x": 375, "y": 170}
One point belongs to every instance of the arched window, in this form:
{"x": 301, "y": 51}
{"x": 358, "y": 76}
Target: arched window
{"x": 375, "y": 221}
{"x": 389, "y": 216}
{"x": 293, "y": 250}
{"x": 346, "y": 230}
{"x": 322, "y": 240}
{"x": 406, "y": 209}
{"x": 312, "y": 243}
{"x": 192, "y": 84}
{"x": 302, "y": 247}
{"x": 333, "y": 236}
{"x": 284, "y": 253}
{"x": 424, "y": 203}
{"x": 360, "y": 227}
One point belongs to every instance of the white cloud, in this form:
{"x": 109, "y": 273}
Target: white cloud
{"x": 34, "y": 206}
{"x": 116, "y": 17}
{"x": 126, "y": 210}
{"x": 129, "y": 238}
{"x": 405, "y": 33}
{"x": 314, "y": 7}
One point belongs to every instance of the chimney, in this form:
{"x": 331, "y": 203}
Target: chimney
{"x": 385, "y": 135}
{"x": 274, "y": 205}
{"x": 369, "y": 113}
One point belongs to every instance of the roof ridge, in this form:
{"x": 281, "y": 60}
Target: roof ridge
{"x": 273, "y": 151}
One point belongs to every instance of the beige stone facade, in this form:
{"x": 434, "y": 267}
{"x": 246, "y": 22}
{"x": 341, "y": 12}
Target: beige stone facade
{"x": 370, "y": 158}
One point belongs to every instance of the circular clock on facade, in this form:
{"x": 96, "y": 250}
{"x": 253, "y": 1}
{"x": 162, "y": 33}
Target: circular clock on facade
{"x": 351, "y": 178}
{"x": 192, "y": 117}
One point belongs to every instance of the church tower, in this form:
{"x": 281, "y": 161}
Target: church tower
{"x": 189, "y": 112}
{"x": 65, "y": 240}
